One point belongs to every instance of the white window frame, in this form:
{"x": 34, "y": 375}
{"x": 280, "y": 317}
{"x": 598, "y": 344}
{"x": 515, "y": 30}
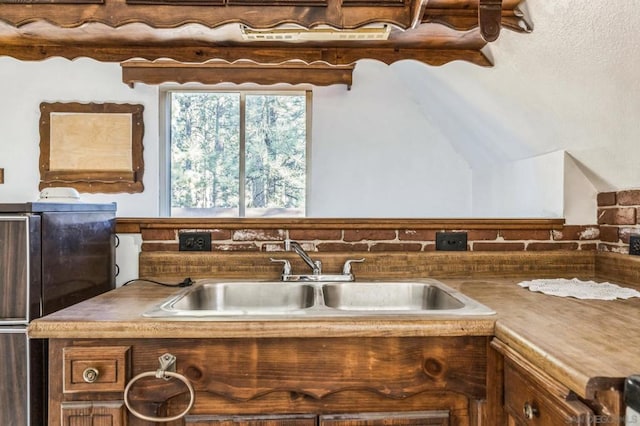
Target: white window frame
{"x": 165, "y": 143}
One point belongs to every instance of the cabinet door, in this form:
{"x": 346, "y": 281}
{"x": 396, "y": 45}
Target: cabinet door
{"x": 94, "y": 413}
{"x": 424, "y": 418}
{"x": 266, "y": 420}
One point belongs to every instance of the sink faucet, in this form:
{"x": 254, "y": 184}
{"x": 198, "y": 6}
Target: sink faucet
{"x": 315, "y": 265}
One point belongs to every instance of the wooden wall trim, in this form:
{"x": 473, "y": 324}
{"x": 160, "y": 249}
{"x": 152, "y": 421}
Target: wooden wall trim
{"x": 216, "y": 71}
{"x": 136, "y": 225}
{"x": 225, "y": 265}
{"x": 618, "y": 268}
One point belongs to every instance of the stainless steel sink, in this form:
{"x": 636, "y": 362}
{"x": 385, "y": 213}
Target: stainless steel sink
{"x": 245, "y": 300}
{"x": 400, "y": 296}
{"x": 242, "y": 298}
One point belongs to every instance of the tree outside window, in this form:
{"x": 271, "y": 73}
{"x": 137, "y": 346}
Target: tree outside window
{"x": 226, "y": 147}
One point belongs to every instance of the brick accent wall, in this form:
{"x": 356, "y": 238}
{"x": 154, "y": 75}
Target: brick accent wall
{"x": 378, "y": 240}
{"x": 618, "y": 218}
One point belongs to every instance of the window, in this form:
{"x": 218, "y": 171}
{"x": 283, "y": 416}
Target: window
{"x": 237, "y": 154}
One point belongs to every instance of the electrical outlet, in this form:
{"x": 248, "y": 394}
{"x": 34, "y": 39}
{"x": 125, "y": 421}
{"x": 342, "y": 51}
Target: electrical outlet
{"x": 194, "y": 241}
{"x": 634, "y": 245}
{"x": 451, "y": 241}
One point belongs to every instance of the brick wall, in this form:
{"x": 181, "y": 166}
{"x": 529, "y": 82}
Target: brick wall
{"x": 618, "y": 218}
{"x": 379, "y": 240}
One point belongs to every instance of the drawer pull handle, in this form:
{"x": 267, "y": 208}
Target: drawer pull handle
{"x": 530, "y": 411}
{"x": 166, "y": 372}
{"x": 90, "y": 375}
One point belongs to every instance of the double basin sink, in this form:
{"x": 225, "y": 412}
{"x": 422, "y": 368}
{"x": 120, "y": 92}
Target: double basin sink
{"x": 209, "y": 299}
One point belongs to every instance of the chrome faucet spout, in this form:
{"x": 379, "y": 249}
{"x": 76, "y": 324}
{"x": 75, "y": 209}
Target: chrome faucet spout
{"x": 316, "y": 266}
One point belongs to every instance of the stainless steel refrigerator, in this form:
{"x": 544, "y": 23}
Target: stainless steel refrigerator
{"x": 52, "y": 255}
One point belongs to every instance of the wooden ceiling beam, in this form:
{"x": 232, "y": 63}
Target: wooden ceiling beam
{"x": 430, "y": 31}
{"x": 333, "y": 56}
{"x": 172, "y": 14}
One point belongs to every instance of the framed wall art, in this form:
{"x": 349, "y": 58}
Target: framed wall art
{"x": 92, "y": 147}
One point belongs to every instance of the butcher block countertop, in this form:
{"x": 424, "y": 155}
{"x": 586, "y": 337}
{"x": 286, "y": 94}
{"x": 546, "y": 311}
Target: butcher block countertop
{"x": 584, "y": 344}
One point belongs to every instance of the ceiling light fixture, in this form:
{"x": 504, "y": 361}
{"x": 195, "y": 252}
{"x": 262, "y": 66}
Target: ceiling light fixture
{"x": 316, "y": 34}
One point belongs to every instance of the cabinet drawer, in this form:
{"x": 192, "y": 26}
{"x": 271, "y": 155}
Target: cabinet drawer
{"x": 95, "y": 369}
{"x": 531, "y": 401}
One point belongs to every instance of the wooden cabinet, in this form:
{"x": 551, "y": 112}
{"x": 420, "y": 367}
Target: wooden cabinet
{"x": 533, "y": 398}
{"x": 93, "y": 414}
{"x": 268, "y": 420}
{"x": 358, "y": 381}
{"x": 428, "y": 418}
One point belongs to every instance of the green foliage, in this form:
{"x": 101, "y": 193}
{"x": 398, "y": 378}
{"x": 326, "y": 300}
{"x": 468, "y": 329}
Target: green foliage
{"x": 205, "y": 151}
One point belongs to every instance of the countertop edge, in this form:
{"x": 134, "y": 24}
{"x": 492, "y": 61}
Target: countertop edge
{"x": 409, "y": 327}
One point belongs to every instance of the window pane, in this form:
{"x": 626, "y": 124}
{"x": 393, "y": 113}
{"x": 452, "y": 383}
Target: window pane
{"x": 205, "y": 154}
{"x": 275, "y": 134}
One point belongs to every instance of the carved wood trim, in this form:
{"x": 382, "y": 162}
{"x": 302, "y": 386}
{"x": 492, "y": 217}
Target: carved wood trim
{"x": 249, "y": 369}
{"x": 115, "y": 13}
{"x": 213, "y": 72}
{"x": 422, "y": 42}
{"x": 331, "y": 55}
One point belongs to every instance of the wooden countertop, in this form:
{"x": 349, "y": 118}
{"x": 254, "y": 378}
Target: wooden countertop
{"x": 118, "y": 314}
{"x": 585, "y": 345}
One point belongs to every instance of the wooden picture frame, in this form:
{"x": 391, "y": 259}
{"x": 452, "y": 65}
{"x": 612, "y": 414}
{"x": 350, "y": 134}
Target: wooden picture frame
{"x": 92, "y": 147}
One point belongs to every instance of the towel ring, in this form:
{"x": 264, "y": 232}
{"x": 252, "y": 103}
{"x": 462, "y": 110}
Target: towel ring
{"x": 166, "y": 361}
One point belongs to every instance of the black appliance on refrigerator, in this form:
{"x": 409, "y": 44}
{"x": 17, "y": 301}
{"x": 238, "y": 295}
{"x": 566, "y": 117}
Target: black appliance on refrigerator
{"x": 632, "y": 400}
{"x": 52, "y": 255}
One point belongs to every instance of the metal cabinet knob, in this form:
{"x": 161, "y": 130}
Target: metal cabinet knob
{"x": 529, "y": 411}
{"x": 90, "y": 375}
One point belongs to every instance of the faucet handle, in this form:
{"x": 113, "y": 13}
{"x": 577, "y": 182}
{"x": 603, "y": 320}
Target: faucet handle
{"x": 318, "y": 269}
{"x": 286, "y": 265}
{"x": 346, "y": 269}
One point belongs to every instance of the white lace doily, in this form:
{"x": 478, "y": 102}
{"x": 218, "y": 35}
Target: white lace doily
{"x": 580, "y": 289}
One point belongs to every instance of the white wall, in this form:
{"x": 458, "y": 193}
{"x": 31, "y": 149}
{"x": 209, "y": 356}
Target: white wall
{"x": 373, "y": 153}
{"x": 549, "y": 185}
{"x": 24, "y": 85}
{"x": 572, "y": 84}
{"x": 525, "y": 188}
{"x": 376, "y": 155}
{"x": 404, "y": 141}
